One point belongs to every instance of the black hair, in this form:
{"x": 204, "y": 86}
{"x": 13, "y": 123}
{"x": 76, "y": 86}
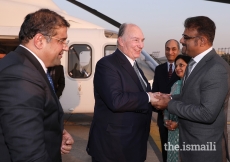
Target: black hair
{"x": 43, "y": 21}
{"x": 183, "y": 57}
{"x": 204, "y": 26}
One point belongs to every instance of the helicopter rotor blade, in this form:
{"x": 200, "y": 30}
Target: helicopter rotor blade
{"x": 95, "y": 12}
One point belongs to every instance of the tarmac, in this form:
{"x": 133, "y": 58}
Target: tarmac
{"x": 78, "y": 126}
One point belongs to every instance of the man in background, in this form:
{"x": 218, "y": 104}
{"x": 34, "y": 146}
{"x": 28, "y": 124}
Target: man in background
{"x": 31, "y": 127}
{"x": 2, "y": 53}
{"x": 164, "y": 78}
{"x": 57, "y": 75}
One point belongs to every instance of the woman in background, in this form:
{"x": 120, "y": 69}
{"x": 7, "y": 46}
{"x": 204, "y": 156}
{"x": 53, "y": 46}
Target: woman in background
{"x": 171, "y": 121}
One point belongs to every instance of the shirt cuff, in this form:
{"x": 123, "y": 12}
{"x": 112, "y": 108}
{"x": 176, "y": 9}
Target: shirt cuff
{"x": 148, "y": 97}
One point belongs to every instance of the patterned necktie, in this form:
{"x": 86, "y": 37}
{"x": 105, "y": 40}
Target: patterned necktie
{"x": 189, "y": 68}
{"x": 50, "y": 80}
{"x": 170, "y": 71}
{"x": 138, "y": 75}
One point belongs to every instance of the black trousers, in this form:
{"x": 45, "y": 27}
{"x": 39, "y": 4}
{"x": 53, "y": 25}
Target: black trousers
{"x": 163, "y": 134}
{"x": 93, "y": 160}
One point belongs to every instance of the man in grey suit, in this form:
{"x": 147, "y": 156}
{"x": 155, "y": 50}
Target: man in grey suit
{"x": 203, "y": 102}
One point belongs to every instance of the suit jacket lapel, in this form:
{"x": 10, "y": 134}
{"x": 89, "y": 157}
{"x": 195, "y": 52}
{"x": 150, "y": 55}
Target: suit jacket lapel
{"x": 148, "y": 89}
{"x": 165, "y": 73}
{"x": 198, "y": 67}
{"x": 128, "y": 67}
{"x": 36, "y": 65}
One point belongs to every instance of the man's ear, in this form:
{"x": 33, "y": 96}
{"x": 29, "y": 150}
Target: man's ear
{"x": 120, "y": 41}
{"x": 203, "y": 40}
{"x": 38, "y": 41}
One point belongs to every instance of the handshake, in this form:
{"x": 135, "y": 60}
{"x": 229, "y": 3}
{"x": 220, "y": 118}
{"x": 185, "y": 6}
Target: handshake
{"x": 159, "y": 100}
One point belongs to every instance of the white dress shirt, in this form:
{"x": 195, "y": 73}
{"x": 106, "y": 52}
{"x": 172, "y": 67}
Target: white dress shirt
{"x": 39, "y": 60}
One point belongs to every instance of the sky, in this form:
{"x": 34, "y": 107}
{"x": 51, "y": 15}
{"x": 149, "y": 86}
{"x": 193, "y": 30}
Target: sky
{"x": 160, "y": 20}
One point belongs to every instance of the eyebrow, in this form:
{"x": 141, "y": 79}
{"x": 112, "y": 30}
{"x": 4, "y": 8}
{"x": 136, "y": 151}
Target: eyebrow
{"x": 137, "y": 38}
{"x": 171, "y": 47}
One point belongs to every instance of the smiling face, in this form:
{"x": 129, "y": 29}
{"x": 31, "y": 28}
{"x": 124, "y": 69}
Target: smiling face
{"x": 171, "y": 50}
{"x": 180, "y": 67}
{"x": 53, "y": 50}
{"x": 191, "y": 42}
{"x": 132, "y": 42}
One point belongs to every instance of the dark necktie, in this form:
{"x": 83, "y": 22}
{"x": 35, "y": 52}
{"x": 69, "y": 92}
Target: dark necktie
{"x": 50, "y": 80}
{"x": 189, "y": 68}
{"x": 138, "y": 75}
{"x": 170, "y": 71}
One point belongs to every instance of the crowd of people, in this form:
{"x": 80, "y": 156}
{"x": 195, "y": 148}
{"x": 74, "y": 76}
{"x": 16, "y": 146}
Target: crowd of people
{"x": 190, "y": 93}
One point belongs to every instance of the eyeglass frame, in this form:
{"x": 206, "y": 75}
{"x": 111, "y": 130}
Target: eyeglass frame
{"x": 185, "y": 37}
{"x": 65, "y": 42}
{"x": 59, "y": 40}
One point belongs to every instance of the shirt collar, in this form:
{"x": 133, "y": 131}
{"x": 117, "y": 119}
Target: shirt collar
{"x": 130, "y": 60}
{"x": 170, "y": 63}
{"x": 173, "y": 65}
{"x": 201, "y": 55}
{"x": 39, "y": 60}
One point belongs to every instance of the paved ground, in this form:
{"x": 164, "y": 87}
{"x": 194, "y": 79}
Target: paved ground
{"x": 78, "y": 125}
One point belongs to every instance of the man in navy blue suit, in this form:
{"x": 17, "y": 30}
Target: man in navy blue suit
{"x": 120, "y": 128}
{"x": 164, "y": 78}
{"x": 31, "y": 116}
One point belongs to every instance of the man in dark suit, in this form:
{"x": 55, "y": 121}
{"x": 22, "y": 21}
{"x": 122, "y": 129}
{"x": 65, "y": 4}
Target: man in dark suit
{"x": 203, "y": 103}
{"x": 57, "y": 75}
{"x": 31, "y": 127}
{"x": 2, "y": 53}
{"x": 122, "y": 113}
{"x": 164, "y": 78}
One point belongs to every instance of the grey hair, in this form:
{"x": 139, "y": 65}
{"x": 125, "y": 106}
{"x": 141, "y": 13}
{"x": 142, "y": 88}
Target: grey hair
{"x": 122, "y": 29}
{"x": 178, "y": 44}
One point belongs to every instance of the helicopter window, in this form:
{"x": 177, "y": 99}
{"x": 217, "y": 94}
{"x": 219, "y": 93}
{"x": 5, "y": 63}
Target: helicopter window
{"x": 111, "y": 34}
{"x": 109, "y": 49}
{"x": 79, "y": 61}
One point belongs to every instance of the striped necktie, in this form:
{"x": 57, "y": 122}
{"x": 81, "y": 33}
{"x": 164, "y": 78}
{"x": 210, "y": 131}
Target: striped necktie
{"x": 138, "y": 75}
{"x": 50, "y": 80}
{"x": 170, "y": 71}
{"x": 189, "y": 68}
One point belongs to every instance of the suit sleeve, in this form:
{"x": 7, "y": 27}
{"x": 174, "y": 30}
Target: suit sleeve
{"x": 155, "y": 86}
{"x": 109, "y": 86}
{"x": 155, "y": 81}
{"x": 60, "y": 82}
{"x": 21, "y": 115}
{"x": 213, "y": 89}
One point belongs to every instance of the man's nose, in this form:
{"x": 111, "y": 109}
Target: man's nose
{"x": 182, "y": 40}
{"x": 141, "y": 44}
{"x": 66, "y": 48}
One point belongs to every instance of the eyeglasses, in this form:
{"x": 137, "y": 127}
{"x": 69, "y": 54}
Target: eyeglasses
{"x": 180, "y": 65}
{"x": 63, "y": 42}
{"x": 188, "y": 37}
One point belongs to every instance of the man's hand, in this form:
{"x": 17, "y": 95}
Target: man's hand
{"x": 171, "y": 125}
{"x": 152, "y": 97}
{"x": 67, "y": 142}
{"x": 163, "y": 101}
